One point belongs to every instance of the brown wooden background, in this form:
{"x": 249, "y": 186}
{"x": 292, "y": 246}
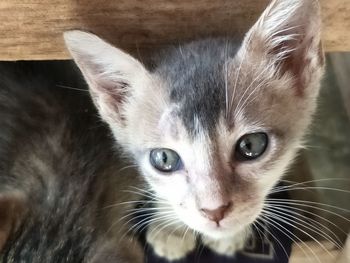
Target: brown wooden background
{"x": 32, "y": 29}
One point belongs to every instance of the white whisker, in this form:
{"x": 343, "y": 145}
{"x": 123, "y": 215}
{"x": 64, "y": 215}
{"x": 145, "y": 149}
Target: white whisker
{"x": 308, "y": 204}
{"x": 295, "y": 225}
{"x": 163, "y": 226}
{"x": 273, "y": 236}
{"x": 293, "y": 209}
{"x": 293, "y": 183}
{"x": 291, "y": 235}
{"x": 238, "y": 73}
{"x": 288, "y": 217}
{"x": 311, "y": 188}
{"x": 71, "y": 88}
{"x": 239, "y": 107}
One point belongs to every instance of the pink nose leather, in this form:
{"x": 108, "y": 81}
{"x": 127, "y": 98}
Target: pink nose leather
{"x": 217, "y": 214}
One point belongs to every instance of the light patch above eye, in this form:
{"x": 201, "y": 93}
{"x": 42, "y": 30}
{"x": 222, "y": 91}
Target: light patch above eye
{"x": 165, "y": 160}
{"x": 251, "y": 146}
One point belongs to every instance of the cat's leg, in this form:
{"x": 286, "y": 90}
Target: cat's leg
{"x": 173, "y": 242}
{"x": 227, "y": 246}
{"x": 127, "y": 251}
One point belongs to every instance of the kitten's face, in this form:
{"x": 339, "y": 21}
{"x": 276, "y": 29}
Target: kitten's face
{"x": 214, "y": 126}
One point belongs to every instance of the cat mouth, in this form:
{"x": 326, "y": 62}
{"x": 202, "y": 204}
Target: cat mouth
{"x": 218, "y": 227}
{"x": 229, "y": 227}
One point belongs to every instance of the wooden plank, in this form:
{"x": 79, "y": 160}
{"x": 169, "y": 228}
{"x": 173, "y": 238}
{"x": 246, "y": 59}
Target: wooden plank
{"x": 32, "y": 29}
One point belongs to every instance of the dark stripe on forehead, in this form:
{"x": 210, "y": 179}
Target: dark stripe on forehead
{"x": 195, "y": 76}
{"x": 200, "y": 96}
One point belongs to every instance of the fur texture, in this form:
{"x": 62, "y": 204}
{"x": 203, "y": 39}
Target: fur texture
{"x": 57, "y": 188}
{"x": 199, "y": 100}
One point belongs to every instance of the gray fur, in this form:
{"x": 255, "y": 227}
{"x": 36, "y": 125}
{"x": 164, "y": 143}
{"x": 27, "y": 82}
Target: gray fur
{"x": 195, "y": 74}
{"x": 48, "y": 154}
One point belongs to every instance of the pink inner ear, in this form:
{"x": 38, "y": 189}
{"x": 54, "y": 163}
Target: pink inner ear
{"x": 293, "y": 62}
{"x": 116, "y": 90}
{"x": 109, "y": 96}
{"x": 294, "y": 54}
{"x": 299, "y": 64}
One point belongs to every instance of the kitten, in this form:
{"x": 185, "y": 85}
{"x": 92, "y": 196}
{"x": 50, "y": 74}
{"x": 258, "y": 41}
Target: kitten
{"x": 59, "y": 174}
{"x": 214, "y": 125}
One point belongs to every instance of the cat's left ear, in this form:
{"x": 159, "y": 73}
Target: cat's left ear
{"x": 288, "y": 36}
{"x": 111, "y": 74}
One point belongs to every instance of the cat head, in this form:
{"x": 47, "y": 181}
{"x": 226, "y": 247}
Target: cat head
{"x": 214, "y": 126}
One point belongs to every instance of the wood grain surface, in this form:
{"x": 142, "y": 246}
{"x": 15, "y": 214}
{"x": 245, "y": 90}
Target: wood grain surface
{"x": 32, "y": 29}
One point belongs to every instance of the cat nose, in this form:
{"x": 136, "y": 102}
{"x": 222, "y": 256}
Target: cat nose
{"x": 217, "y": 214}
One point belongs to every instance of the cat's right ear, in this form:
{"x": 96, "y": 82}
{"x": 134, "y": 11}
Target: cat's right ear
{"x": 286, "y": 40}
{"x": 111, "y": 74}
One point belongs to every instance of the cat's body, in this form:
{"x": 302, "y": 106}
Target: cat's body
{"x": 214, "y": 124}
{"x": 59, "y": 172}
{"x": 212, "y": 128}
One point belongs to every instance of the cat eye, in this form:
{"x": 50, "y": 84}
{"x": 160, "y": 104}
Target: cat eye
{"x": 165, "y": 160}
{"x": 251, "y": 146}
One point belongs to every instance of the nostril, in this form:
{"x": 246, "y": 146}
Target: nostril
{"x": 217, "y": 214}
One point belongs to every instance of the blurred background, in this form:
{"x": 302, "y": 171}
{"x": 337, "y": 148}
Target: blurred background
{"x": 328, "y": 146}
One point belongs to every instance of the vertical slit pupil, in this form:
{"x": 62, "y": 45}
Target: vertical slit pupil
{"x": 249, "y": 145}
{"x": 164, "y": 157}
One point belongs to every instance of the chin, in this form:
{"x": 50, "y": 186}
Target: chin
{"x": 228, "y": 227}
{"x": 219, "y": 233}
{"x": 224, "y": 231}
{"x": 212, "y": 230}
